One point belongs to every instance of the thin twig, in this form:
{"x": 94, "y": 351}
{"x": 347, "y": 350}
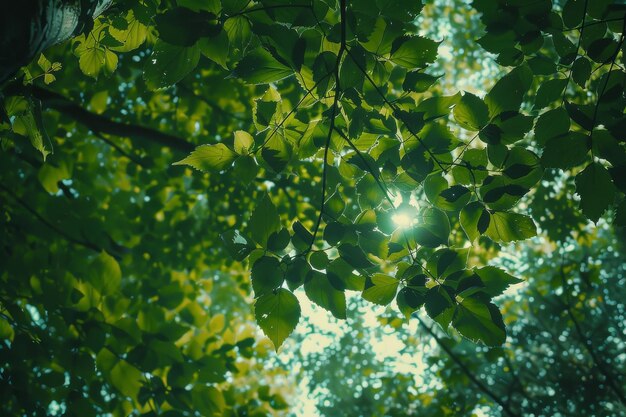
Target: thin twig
{"x": 61, "y": 232}
{"x": 470, "y": 375}
{"x": 331, "y": 128}
{"x": 580, "y": 38}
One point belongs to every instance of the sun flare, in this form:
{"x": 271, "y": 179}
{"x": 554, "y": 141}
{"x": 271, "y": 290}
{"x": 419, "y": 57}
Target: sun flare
{"x": 402, "y": 220}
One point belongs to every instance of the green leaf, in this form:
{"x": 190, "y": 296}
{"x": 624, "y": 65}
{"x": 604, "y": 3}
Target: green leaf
{"x": 278, "y": 314}
{"x": 509, "y": 227}
{"x": 354, "y": 255}
{"x": 602, "y": 50}
{"x": 414, "y": 52}
{"x": 496, "y": 281}
{"x": 341, "y": 275}
{"x": 441, "y": 195}
{"x": 266, "y": 275}
{"x": 566, "y": 151}
{"x": 551, "y": 124}
{"x": 596, "y": 190}
{"x": 435, "y": 107}
{"x": 446, "y": 261}
{"x": 234, "y": 6}
{"x": 105, "y": 274}
{"x": 91, "y": 61}
{"x": 264, "y": 221}
{"x": 264, "y": 113}
{"x": 237, "y": 245}
{"x": 474, "y": 219}
{"x": 550, "y": 91}
{"x": 126, "y": 378}
{"x": 507, "y": 94}
{"x": 606, "y": 146}
{"x": 350, "y": 72}
{"x": 334, "y": 232}
{"x": 409, "y": 300}
{"x": 216, "y": 48}
{"x": 581, "y": 71}
{"x": 31, "y": 124}
{"x": 278, "y": 241}
{"x": 302, "y": 238}
{"x": 479, "y": 321}
{"x": 296, "y": 273}
{"x": 440, "y": 305}
{"x": 195, "y": 24}
{"x": 432, "y": 229}
{"x": 471, "y": 112}
{"x": 169, "y": 64}
{"x": 260, "y": 67}
{"x": 419, "y": 82}
{"x": 381, "y": 290}
{"x": 574, "y": 12}
{"x": 319, "y": 289}
{"x": 243, "y": 142}
{"x": 209, "y": 158}
{"x": 581, "y": 115}
{"x": 208, "y": 401}
{"x": 335, "y": 205}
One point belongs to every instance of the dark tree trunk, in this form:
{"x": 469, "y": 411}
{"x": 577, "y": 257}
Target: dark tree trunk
{"x": 27, "y": 27}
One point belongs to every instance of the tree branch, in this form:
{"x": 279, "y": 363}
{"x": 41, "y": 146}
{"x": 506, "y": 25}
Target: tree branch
{"x": 342, "y": 49}
{"x": 580, "y": 38}
{"x": 396, "y": 110}
{"x": 482, "y": 387}
{"x": 586, "y": 342}
{"x": 71, "y": 239}
{"x": 102, "y": 124}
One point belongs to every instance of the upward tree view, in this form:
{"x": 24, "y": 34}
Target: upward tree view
{"x": 313, "y": 208}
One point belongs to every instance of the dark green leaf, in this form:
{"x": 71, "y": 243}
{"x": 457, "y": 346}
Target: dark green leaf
{"x": 266, "y": 275}
{"x": 418, "y": 81}
{"x": 414, "y": 52}
{"x": 471, "y": 112}
{"x": 260, "y": 67}
{"x": 509, "y": 91}
{"x": 409, "y": 300}
{"x": 320, "y": 290}
{"x": 566, "y": 151}
{"x": 479, "y": 321}
{"x": 264, "y": 221}
{"x": 496, "y": 281}
{"x": 169, "y": 64}
{"x": 354, "y": 255}
{"x": 432, "y": 229}
{"x": 596, "y": 190}
{"x": 549, "y": 92}
{"x": 278, "y": 314}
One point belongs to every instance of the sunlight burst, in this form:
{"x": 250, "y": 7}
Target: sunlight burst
{"x": 402, "y": 220}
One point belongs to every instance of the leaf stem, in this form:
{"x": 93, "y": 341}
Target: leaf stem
{"x": 331, "y": 128}
{"x": 395, "y": 108}
{"x": 606, "y": 82}
{"x": 580, "y": 38}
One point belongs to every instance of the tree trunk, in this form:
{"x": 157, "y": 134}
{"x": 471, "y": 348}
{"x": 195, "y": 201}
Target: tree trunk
{"x": 27, "y": 27}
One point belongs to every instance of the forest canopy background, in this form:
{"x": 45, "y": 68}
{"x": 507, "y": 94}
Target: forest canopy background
{"x": 189, "y": 185}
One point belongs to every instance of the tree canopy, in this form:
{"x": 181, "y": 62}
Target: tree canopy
{"x": 185, "y": 183}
